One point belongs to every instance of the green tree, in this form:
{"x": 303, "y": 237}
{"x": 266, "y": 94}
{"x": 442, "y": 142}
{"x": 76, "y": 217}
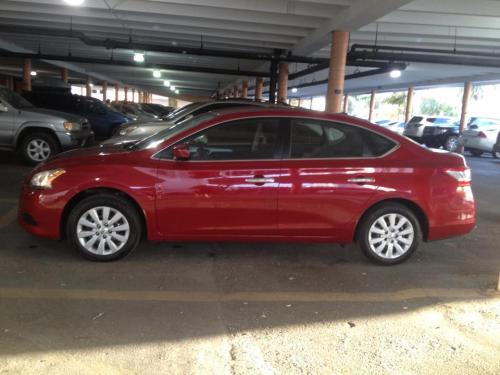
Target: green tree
{"x": 398, "y": 99}
{"x": 433, "y": 107}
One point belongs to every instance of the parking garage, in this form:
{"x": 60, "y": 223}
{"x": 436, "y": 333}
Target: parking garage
{"x": 111, "y": 73}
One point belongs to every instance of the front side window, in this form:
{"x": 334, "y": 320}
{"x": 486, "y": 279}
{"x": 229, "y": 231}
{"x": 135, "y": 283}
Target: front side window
{"x": 315, "y": 139}
{"x": 248, "y": 139}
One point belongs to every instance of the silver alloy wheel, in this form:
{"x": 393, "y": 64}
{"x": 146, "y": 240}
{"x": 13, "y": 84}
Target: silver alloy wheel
{"x": 38, "y": 150}
{"x": 451, "y": 144}
{"x": 391, "y": 236}
{"x": 103, "y": 230}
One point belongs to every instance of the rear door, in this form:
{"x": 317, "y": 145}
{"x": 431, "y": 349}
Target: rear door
{"x": 330, "y": 173}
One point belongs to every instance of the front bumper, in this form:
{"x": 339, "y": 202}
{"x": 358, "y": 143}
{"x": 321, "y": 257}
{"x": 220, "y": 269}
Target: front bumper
{"x": 70, "y": 140}
{"x": 40, "y": 213}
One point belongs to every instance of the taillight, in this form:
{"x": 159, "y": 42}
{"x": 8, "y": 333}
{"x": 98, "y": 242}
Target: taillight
{"x": 462, "y": 175}
{"x": 482, "y": 135}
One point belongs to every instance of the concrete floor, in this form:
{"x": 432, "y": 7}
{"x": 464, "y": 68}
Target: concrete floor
{"x": 251, "y": 309}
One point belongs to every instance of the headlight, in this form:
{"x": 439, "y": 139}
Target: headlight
{"x": 72, "y": 126}
{"x": 128, "y": 130}
{"x": 44, "y": 179}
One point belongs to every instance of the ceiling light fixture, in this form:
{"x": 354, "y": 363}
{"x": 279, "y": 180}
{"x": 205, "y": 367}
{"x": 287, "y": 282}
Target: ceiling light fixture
{"x": 156, "y": 74}
{"x": 294, "y": 89}
{"x": 138, "y": 57}
{"x": 166, "y": 83}
{"x": 396, "y": 73}
{"x": 33, "y": 73}
{"x": 176, "y": 91}
{"x": 74, "y": 3}
{"x": 172, "y": 88}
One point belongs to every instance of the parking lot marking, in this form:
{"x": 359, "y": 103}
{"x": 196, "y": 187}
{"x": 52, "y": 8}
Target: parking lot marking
{"x": 197, "y": 297}
{"x": 8, "y": 217}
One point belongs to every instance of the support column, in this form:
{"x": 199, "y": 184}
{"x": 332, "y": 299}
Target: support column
{"x": 282, "y": 82}
{"x": 117, "y": 89}
{"x": 140, "y": 97}
{"x": 88, "y": 91}
{"x": 104, "y": 91}
{"x": 27, "y": 75}
{"x": 409, "y": 104}
{"x": 126, "y": 94}
{"x": 64, "y": 75}
{"x": 10, "y": 83}
{"x": 272, "y": 82}
{"x": 465, "y": 105}
{"x": 244, "y": 89}
{"x": 372, "y": 106}
{"x": 259, "y": 87}
{"x": 346, "y": 104}
{"x": 338, "y": 57}
{"x": 235, "y": 91}
{"x": 133, "y": 95}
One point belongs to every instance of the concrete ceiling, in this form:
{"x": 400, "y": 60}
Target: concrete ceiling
{"x": 301, "y": 27}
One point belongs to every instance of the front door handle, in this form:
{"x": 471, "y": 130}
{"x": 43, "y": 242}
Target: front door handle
{"x": 259, "y": 180}
{"x": 361, "y": 180}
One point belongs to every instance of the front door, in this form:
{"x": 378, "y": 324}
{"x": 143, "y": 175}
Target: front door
{"x": 228, "y": 188}
{"x": 329, "y": 175}
{"x": 7, "y": 116}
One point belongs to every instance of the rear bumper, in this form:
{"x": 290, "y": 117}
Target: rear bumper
{"x": 39, "y": 214}
{"x": 453, "y": 214}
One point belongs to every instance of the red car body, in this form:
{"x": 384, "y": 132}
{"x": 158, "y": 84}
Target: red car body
{"x": 305, "y": 200}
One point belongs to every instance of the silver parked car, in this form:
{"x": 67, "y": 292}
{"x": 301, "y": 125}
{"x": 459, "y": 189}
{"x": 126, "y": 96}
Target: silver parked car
{"x": 38, "y": 133}
{"x": 133, "y": 132}
{"x": 480, "y": 136}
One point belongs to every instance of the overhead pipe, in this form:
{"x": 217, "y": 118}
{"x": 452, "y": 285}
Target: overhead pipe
{"x": 91, "y": 60}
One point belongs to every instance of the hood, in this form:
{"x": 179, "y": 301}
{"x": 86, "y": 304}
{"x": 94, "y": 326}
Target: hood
{"x": 136, "y": 132}
{"x": 51, "y": 115}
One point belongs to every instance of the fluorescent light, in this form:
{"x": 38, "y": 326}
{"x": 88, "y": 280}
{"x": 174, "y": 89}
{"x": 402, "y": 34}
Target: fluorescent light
{"x": 294, "y": 89}
{"x": 176, "y": 91}
{"x": 172, "y": 88}
{"x": 156, "y": 73}
{"x": 166, "y": 83}
{"x": 33, "y": 73}
{"x": 74, "y": 2}
{"x": 396, "y": 73}
{"x": 138, "y": 57}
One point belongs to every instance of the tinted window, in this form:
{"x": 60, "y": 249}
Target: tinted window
{"x": 323, "y": 139}
{"x": 247, "y": 139}
{"x": 415, "y": 120}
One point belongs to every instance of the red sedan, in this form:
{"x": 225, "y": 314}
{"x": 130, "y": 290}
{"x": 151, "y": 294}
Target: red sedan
{"x": 253, "y": 175}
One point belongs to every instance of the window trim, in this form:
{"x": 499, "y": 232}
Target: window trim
{"x": 285, "y": 142}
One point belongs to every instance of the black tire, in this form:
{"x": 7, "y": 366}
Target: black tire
{"x": 117, "y": 203}
{"x": 476, "y": 153}
{"x": 373, "y": 215}
{"x": 451, "y": 143}
{"x": 40, "y": 137}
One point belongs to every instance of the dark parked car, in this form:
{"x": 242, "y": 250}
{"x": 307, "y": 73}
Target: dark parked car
{"x": 102, "y": 119}
{"x": 266, "y": 174}
{"x": 158, "y": 109}
{"x": 446, "y": 136}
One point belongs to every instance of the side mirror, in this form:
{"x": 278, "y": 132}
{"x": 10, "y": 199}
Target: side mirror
{"x": 181, "y": 152}
{"x": 3, "y": 107}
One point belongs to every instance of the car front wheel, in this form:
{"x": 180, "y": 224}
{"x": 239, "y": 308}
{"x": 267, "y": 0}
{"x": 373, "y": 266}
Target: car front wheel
{"x": 389, "y": 234}
{"x": 38, "y": 147}
{"x": 451, "y": 144}
{"x": 104, "y": 227}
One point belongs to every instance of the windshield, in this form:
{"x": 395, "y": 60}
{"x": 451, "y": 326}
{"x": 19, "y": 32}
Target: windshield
{"x": 157, "y": 138}
{"x": 15, "y": 100}
{"x": 179, "y": 112}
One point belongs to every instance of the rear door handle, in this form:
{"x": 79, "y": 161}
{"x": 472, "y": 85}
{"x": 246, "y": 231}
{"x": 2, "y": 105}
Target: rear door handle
{"x": 361, "y": 180}
{"x": 260, "y": 180}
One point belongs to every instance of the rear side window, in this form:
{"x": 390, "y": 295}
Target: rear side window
{"x": 438, "y": 120}
{"x": 315, "y": 139}
{"x": 415, "y": 120}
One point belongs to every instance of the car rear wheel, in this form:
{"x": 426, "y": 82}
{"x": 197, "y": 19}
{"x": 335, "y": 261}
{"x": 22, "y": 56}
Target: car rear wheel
{"x": 104, "y": 227}
{"x": 451, "y": 144}
{"x": 389, "y": 234}
{"x": 38, "y": 147}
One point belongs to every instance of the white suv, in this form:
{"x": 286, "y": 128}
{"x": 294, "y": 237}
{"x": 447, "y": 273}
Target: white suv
{"x": 415, "y": 127}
